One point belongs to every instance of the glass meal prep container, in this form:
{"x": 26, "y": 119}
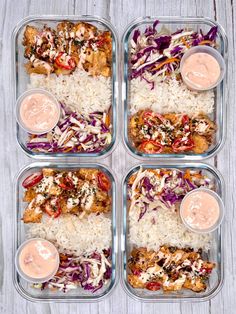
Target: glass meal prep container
{"x": 215, "y": 254}
{"x": 21, "y": 79}
{"x": 173, "y": 24}
{"x": 25, "y": 288}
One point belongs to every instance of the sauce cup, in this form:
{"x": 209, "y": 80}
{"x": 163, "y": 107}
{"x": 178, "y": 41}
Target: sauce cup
{"x": 213, "y": 196}
{"x": 207, "y": 50}
{"x": 44, "y": 108}
{"x": 47, "y": 263}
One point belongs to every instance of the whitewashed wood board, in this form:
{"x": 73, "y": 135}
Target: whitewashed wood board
{"x": 120, "y": 13}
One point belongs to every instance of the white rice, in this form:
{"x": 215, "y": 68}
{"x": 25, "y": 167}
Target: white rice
{"x": 73, "y": 235}
{"x": 163, "y": 227}
{"x": 170, "y": 96}
{"x": 78, "y": 91}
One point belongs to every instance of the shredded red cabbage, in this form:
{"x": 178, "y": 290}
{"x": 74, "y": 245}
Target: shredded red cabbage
{"x": 76, "y": 272}
{"x": 74, "y": 133}
{"x": 150, "y": 48}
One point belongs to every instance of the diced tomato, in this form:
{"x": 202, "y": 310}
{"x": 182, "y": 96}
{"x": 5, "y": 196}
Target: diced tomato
{"x": 151, "y": 147}
{"x": 153, "y": 286}
{"x": 206, "y": 270}
{"x": 53, "y": 207}
{"x": 136, "y": 272}
{"x": 185, "y": 119}
{"x": 62, "y": 62}
{"x": 66, "y": 183}
{"x": 32, "y": 180}
{"x": 103, "y": 182}
{"x": 180, "y": 146}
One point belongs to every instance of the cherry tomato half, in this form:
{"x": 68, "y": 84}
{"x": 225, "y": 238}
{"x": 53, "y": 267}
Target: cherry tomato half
{"x": 66, "y": 183}
{"x": 151, "y": 147}
{"x": 103, "y": 182}
{"x": 32, "y": 180}
{"x": 154, "y": 286}
{"x": 180, "y": 146}
{"x": 53, "y": 207}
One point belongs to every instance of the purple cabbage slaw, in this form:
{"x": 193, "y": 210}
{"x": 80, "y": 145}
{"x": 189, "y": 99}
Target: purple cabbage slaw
{"x": 169, "y": 188}
{"x": 150, "y": 48}
{"x": 74, "y": 133}
{"x": 91, "y": 272}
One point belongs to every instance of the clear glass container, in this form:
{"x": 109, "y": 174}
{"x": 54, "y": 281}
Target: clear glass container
{"x": 20, "y": 78}
{"x": 215, "y": 254}
{"x": 219, "y": 114}
{"x": 25, "y": 288}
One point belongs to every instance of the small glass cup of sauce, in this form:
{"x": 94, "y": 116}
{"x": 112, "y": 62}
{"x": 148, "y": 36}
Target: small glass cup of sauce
{"x": 37, "y": 111}
{"x": 37, "y": 260}
{"x": 202, "y": 210}
{"x": 202, "y": 68}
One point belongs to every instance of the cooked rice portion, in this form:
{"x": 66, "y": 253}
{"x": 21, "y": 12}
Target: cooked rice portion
{"x": 163, "y": 227}
{"x": 169, "y": 96}
{"x": 78, "y": 91}
{"x": 73, "y": 235}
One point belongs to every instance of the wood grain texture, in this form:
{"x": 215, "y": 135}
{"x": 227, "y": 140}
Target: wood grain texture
{"x": 120, "y": 13}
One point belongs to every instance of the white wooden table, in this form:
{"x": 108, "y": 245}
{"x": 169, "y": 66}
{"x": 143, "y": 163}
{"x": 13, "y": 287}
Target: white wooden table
{"x": 12, "y": 158}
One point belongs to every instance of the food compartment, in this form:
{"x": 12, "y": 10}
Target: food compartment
{"x": 75, "y": 59}
{"x": 162, "y": 117}
{"x": 82, "y": 226}
{"x": 163, "y": 261}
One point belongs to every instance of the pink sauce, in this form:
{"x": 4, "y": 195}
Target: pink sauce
{"x": 200, "y": 210}
{"x": 38, "y": 259}
{"x": 39, "y": 113}
{"x": 200, "y": 70}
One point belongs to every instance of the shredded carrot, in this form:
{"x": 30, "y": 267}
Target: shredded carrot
{"x": 203, "y": 42}
{"x": 187, "y": 174}
{"x": 165, "y": 62}
{"x": 185, "y": 42}
{"x": 107, "y": 121}
{"x": 67, "y": 150}
{"x": 132, "y": 178}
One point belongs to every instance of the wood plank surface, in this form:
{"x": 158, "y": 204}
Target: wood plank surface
{"x": 120, "y": 13}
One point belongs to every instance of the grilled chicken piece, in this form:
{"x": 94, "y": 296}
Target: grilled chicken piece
{"x": 96, "y": 63}
{"x": 84, "y": 31}
{"x": 43, "y": 46}
{"x": 87, "y": 174}
{"x": 200, "y": 144}
{"x": 29, "y": 40}
{"x": 32, "y": 216}
{"x": 47, "y": 172}
{"x": 64, "y": 27}
{"x": 135, "y": 281}
{"x": 101, "y": 207}
{"x": 54, "y": 190}
{"x": 29, "y": 195}
{"x": 196, "y": 285}
{"x": 174, "y": 285}
{"x": 39, "y": 67}
{"x": 173, "y": 118}
{"x": 66, "y": 210}
{"x": 173, "y": 268}
{"x": 76, "y": 191}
